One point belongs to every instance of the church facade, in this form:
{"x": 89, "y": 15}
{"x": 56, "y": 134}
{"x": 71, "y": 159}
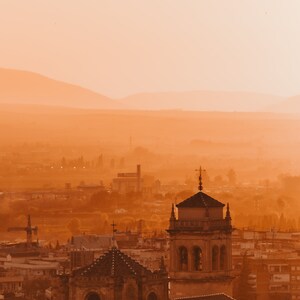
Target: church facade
{"x": 200, "y": 261}
{"x": 200, "y": 247}
{"x": 116, "y": 276}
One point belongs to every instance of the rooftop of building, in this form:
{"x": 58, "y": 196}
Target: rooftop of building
{"x": 113, "y": 263}
{"x": 91, "y": 241}
{"x": 200, "y": 200}
{"x": 208, "y": 297}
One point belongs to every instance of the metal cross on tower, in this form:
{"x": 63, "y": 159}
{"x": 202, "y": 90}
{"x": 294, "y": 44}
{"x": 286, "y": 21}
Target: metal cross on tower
{"x": 200, "y": 187}
{"x": 113, "y": 225}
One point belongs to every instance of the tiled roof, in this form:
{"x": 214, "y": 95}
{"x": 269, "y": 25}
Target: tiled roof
{"x": 91, "y": 241}
{"x": 113, "y": 263}
{"x": 208, "y": 297}
{"x": 200, "y": 200}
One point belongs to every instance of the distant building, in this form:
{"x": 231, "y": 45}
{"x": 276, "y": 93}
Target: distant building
{"x": 91, "y": 188}
{"x": 33, "y": 268}
{"x": 127, "y": 239}
{"x": 272, "y": 276}
{"x": 91, "y": 242}
{"x": 81, "y": 258}
{"x": 128, "y": 182}
{"x": 10, "y": 282}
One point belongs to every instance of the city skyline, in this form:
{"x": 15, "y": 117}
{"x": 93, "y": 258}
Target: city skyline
{"x": 149, "y": 150}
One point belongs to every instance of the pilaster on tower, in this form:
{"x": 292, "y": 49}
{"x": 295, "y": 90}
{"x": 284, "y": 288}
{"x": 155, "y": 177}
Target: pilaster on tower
{"x": 228, "y": 216}
{"x": 172, "y": 217}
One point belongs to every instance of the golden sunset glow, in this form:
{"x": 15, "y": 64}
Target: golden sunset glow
{"x": 118, "y": 48}
{"x": 149, "y": 150}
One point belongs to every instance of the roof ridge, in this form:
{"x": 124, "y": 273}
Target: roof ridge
{"x": 200, "y": 199}
{"x": 113, "y": 263}
{"x": 126, "y": 262}
{"x": 135, "y": 262}
{"x": 203, "y": 200}
{"x": 206, "y": 295}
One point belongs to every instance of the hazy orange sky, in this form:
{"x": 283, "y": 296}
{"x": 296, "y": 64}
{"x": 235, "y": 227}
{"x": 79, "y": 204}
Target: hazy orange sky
{"x": 123, "y": 47}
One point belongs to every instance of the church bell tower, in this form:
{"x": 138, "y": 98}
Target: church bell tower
{"x": 200, "y": 247}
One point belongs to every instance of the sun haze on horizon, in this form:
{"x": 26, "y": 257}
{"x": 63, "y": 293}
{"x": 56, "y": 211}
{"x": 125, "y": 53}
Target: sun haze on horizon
{"x": 126, "y": 47}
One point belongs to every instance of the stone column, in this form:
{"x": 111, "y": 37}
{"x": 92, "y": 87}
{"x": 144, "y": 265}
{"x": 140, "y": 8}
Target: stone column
{"x": 229, "y": 252}
{"x": 208, "y": 256}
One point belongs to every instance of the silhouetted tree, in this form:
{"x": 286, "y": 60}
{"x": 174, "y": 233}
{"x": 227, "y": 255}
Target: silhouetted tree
{"x": 57, "y": 246}
{"x": 74, "y": 226}
{"x": 231, "y": 175}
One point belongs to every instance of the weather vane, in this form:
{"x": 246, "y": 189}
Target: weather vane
{"x": 113, "y": 225}
{"x": 200, "y": 187}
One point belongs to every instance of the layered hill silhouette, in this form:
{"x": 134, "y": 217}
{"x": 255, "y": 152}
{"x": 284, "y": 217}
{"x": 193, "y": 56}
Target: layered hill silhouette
{"x": 22, "y": 87}
{"x": 203, "y": 101}
{"x": 30, "y": 88}
{"x": 290, "y": 105}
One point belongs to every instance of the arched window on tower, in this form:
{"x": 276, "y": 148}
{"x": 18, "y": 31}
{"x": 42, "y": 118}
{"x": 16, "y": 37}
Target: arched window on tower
{"x": 183, "y": 259}
{"x": 223, "y": 258}
{"x": 197, "y": 259}
{"x": 92, "y": 296}
{"x": 152, "y": 296}
{"x": 215, "y": 258}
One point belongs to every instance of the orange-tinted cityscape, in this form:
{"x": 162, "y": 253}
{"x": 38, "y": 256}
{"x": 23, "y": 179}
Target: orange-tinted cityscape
{"x": 149, "y": 150}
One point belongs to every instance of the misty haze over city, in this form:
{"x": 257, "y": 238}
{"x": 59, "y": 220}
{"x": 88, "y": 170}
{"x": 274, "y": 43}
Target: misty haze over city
{"x": 149, "y": 150}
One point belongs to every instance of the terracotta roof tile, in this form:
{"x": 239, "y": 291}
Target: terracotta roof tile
{"x": 200, "y": 200}
{"x": 113, "y": 263}
{"x": 208, "y": 297}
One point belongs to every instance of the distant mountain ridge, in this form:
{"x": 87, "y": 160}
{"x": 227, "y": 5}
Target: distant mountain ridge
{"x": 23, "y": 87}
{"x": 202, "y": 101}
{"x": 31, "y": 88}
{"x": 290, "y": 105}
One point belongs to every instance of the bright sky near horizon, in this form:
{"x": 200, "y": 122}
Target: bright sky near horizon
{"x": 123, "y": 47}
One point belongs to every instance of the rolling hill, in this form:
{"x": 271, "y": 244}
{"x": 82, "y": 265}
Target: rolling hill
{"x": 30, "y": 88}
{"x": 290, "y": 105}
{"x": 202, "y": 101}
{"x": 23, "y": 87}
